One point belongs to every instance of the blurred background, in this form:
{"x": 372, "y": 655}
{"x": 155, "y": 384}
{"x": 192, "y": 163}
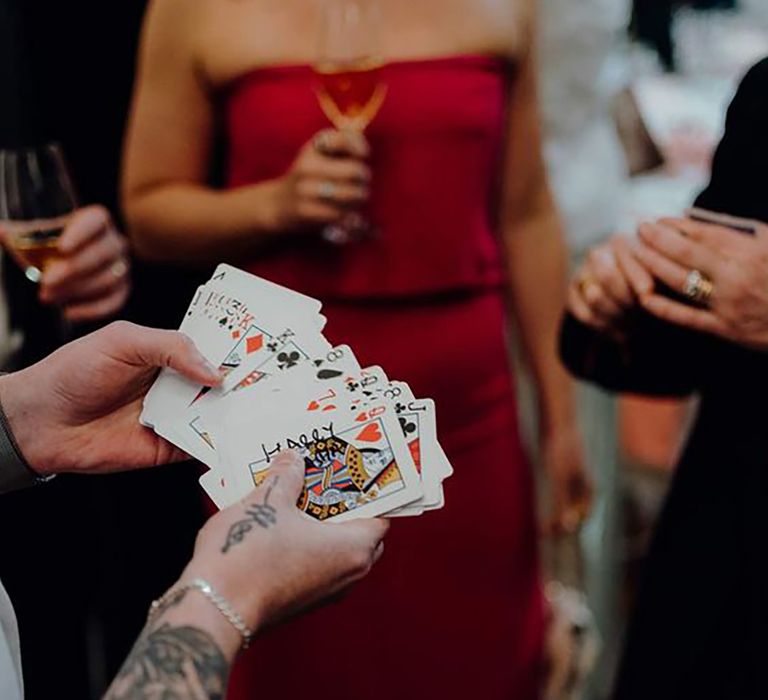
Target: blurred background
{"x": 633, "y": 100}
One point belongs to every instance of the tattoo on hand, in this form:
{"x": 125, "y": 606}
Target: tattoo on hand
{"x": 173, "y": 663}
{"x": 261, "y": 514}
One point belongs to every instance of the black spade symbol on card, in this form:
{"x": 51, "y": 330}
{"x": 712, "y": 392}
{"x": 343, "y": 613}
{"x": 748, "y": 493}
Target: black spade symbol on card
{"x": 329, "y": 373}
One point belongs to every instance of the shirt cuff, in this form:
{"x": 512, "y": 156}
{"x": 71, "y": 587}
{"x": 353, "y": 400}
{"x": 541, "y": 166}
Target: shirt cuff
{"x": 15, "y": 473}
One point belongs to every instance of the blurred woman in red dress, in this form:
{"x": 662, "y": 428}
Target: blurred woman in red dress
{"x": 451, "y": 177}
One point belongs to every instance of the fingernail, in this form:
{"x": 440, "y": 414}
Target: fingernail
{"x": 289, "y": 457}
{"x": 208, "y": 368}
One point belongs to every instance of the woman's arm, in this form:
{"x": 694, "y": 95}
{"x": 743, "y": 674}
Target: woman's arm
{"x": 171, "y": 213}
{"x": 536, "y": 253}
{"x": 537, "y": 264}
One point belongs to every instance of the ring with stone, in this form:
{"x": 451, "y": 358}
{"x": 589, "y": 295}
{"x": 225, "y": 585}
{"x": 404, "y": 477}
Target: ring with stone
{"x": 119, "y": 269}
{"x": 698, "y": 287}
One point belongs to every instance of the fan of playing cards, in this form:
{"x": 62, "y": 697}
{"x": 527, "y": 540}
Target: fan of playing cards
{"x": 369, "y": 445}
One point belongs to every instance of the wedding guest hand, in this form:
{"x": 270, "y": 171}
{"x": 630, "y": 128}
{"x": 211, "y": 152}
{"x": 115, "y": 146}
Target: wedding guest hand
{"x": 568, "y": 478}
{"x": 608, "y": 285}
{"x": 91, "y": 280}
{"x": 328, "y": 180}
{"x": 78, "y": 409}
{"x": 728, "y": 271}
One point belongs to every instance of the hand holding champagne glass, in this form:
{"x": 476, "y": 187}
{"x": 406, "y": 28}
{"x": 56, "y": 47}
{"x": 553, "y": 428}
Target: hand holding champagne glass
{"x": 350, "y": 87}
{"x": 77, "y": 257}
{"x": 36, "y": 201}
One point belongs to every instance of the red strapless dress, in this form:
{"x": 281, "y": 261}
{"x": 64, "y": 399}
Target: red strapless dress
{"x": 454, "y": 608}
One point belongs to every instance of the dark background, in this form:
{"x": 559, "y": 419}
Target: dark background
{"x": 83, "y": 557}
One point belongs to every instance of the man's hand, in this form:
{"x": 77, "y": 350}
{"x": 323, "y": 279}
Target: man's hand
{"x": 271, "y": 560}
{"x": 90, "y": 281}
{"x": 78, "y": 410}
{"x": 735, "y": 263}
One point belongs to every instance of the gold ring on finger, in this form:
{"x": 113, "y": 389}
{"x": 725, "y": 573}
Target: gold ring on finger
{"x": 585, "y": 282}
{"x": 698, "y": 287}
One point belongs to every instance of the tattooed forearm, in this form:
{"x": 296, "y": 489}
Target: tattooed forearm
{"x": 261, "y": 514}
{"x": 172, "y": 663}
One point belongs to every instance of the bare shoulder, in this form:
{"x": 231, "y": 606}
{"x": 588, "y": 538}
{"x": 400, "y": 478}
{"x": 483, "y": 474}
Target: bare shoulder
{"x": 170, "y": 26}
{"x": 510, "y": 24}
{"x": 236, "y": 36}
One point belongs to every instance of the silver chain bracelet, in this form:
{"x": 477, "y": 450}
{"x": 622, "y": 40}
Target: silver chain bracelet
{"x": 222, "y": 605}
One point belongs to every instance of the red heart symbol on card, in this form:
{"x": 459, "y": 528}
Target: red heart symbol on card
{"x": 370, "y": 433}
{"x": 362, "y": 418}
{"x": 313, "y": 406}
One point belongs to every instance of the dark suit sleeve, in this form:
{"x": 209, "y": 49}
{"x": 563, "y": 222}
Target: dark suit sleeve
{"x": 658, "y": 358}
{"x": 738, "y": 183}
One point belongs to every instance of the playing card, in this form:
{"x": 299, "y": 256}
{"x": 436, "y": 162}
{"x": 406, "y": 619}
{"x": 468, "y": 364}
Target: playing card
{"x": 281, "y": 381}
{"x": 417, "y": 419}
{"x": 356, "y": 466}
{"x": 733, "y": 222}
{"x": 238, "y": 340}
{"x": 369, "y": 445}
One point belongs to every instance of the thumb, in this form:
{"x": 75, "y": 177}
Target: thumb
{"x": 287, "y": 476}
{"x": 152, "y": 347}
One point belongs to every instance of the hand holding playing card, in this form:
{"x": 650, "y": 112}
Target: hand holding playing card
{"x": 78, "y": 409}
{"x": 733, "y": 257}
{"x": 369, "y": 445}
{"x": 271, "y": 561}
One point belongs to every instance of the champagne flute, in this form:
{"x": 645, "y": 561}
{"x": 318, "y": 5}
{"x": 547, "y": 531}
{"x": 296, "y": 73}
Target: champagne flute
{"x": 350, "y": 86}
{"x": 37, "y": 199}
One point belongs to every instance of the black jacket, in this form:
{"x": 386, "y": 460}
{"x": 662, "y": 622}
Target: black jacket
{"x": 699, "y": 629}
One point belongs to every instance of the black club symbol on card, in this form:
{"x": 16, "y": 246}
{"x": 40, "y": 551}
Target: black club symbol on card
{"x": 353, "y": 386}
{"x": 272, "y": 346}
{"x": 286, "y": 360}
{"x": 407, "y": 426}
{"x": 399, "y": 408}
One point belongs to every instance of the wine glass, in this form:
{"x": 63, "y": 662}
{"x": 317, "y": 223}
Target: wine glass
{"x": 350, "y": 86}
{"x": 36, "y": 200}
